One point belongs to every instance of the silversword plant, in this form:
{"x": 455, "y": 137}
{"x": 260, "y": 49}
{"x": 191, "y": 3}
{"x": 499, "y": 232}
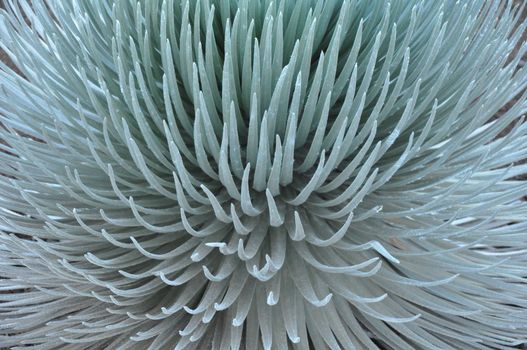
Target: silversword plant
{"x": 256, "y": 174}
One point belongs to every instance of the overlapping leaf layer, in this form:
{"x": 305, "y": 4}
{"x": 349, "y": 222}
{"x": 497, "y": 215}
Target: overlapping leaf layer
{"x": 255, "y": 174}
